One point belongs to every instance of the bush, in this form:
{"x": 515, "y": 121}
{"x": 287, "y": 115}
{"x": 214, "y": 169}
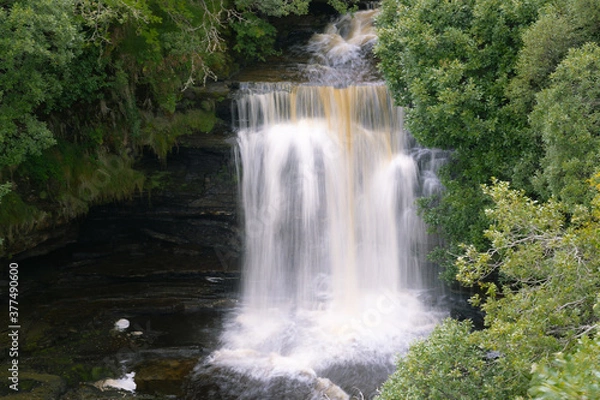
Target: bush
{"x": 575, "y": 375}
{"x": 447, "y": 365}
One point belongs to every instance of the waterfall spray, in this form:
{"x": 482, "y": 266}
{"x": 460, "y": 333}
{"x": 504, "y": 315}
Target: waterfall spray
{"x": 334, "y": 272}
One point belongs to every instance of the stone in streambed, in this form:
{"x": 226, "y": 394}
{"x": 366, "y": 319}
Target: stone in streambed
{"x": 36, "y": 386}
{"x": 164, "y": 376}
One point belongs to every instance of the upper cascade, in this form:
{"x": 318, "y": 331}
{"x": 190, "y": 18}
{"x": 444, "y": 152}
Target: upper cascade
{"x": 341, "y": 55}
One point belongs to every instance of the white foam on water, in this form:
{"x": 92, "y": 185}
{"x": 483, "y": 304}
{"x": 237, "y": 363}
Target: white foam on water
{"x": 335, "y": 271}
{"x": 126, "y": 383}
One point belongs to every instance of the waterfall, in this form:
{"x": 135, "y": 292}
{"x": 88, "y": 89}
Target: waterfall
{"x": 328, "y": 194}
{"x": 334, "y": 274}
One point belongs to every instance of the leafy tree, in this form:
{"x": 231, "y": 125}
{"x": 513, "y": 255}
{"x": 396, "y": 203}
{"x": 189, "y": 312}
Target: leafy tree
{"x": 567, "y": 116}
{"x": 276, "y": 8}
{"x": 446, "y": 365}
{"x": 165, "y": 46}
{"x": 4, "y": 190}
{"x": 100, "y": 16}
{"x": 548, "y": 273}
{"x": 560, "y": 27}
{"x": 449, "y": 63}
{"x": 119, "y": 53}
{"x": 543, "y": 299}
{"x": 573, "y": 375}
{"x": 459, "y": 211}
{"x": 280, "y": 8}
{"x": 255, "y": 37}
{"x": 38, "y": 39}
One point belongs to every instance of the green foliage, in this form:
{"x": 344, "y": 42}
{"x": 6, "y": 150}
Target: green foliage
{"x": 447, "y": 365}
{"x": 548, "y": 278}
{"x": 275, "y": 8}
{"x": 109, "y": 55}
{"x": 4, "y": 190}
{"x": 567, "y": 116}
{"x": 51, "y": 166}
{"x": 543, "y": 299}
{"x": 343, "y": 6}
{"x": 560, "y": 27}
{"x": 458, "y": 216}
{"x": 255, "y": 37}
{"x": 161, "y": 133}
{"x": 18, "y": 217}
{"x": 574, "y": 375}
{"x": 75, "y": 180}
{"x": 38, "y": 38}
{"x": 281, "y": 8}
{"x": 106, "y": 177}
{"x": 507, "y": 87}
{"x": 450, "y": 62}
{"x": 160, "y": 46}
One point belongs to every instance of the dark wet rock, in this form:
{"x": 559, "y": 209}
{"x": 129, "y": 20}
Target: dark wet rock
{"x": 461, "y": 309}
{"x": 35, "y": 386}
{"x": 163, "y": 376}
{"x": 367, "y": 377}
{"x": 212, "y": 96}
{"x": 190, "y": 200}
{"x": 90, "y": 392}
{"x": 48, "y": 236}
{"x": 189, "y": 208}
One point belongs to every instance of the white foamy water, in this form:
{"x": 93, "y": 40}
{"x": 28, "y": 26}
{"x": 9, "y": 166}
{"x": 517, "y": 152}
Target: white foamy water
{"x": 341, "y": 55}
{"x": 335, "y": 278}
{"x": 126, "y": 383}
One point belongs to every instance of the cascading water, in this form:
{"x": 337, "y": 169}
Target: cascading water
{"x": 335, "y": 274}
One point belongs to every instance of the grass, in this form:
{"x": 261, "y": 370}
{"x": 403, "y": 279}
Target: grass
{"x": 160, "y": 133}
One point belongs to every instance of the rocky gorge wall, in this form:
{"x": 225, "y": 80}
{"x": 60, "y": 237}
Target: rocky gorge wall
{"x": 188, "y": 199}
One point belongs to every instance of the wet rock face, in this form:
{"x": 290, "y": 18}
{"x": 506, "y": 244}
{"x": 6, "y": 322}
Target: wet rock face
{"x": 193, "y": 191}
{"x": 35, "y": 386}
{"x": 190, "y": 206}
{"x": 166, "y": 262}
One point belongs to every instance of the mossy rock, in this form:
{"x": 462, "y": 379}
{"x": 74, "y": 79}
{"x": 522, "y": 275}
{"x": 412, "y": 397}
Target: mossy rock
{"x": 36, "y": 386}
{"x": 36, "y": 337}
{"x": 89, "y": 392}
{"x": 163, "y": 376}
